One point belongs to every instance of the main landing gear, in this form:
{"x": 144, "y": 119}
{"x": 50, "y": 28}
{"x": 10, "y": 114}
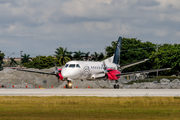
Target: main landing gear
{"x": 116, "y": 86}
{"x": 69, "y": 85}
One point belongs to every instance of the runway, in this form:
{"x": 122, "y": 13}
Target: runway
{"x": 90, "y": 92}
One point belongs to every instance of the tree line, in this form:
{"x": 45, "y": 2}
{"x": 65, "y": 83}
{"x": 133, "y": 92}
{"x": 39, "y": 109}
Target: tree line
{"x": 132, "y": 50}
{"x": 61, "y": 57}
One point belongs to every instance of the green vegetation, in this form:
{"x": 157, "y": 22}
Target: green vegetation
{"x": 97, "y": 57}
{"x": 7, "y": 63}
{"x": 167, "y": 56}
{"x": 41, "y": 62}
{"x": 1, "y": 59}
{"x": 87, "y": 108}
{"x": 25, "y": 59}
{"x": 13, "y": 62}
{"x": 132, "y": 50}
{"x": 161, "y": 56}
{"x": 62, "y": 55}
{"x": 78, "y": 55}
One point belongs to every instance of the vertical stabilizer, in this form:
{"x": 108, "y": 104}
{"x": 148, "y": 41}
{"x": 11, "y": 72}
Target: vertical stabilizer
{"x": 116, "y": 59}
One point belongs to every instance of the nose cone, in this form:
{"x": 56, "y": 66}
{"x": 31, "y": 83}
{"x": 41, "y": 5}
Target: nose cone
{"x": 70, "y": 73}
{"x": 64, "y": 73}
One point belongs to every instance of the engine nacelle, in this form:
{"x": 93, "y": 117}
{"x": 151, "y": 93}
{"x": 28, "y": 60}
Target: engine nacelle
{"x": 112, "y": 74}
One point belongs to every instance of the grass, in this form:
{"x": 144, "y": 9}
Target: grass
{"x": 87, "y": 108}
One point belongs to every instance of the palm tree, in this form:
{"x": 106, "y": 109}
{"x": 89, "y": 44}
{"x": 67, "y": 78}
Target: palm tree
{"x": 1, "y": 59}
{"x": 25, "y": 58}
{"x": 13, "y": 62}
{"x": 86, "y": 55}
{"x": 97, "y": 57}
{"x": 62, "y": 55}
{"x": 78, "y": 55}
{"x": 1, "y": 56}
{"x": 100, "y": 56}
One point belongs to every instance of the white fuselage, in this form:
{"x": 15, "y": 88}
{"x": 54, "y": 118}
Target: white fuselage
{"x": 85, "y": 69}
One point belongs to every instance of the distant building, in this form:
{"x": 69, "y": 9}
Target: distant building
{"x": 16, "y": 59}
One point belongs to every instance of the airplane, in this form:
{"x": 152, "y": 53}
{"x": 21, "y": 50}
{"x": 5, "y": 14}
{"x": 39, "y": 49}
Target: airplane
{"x": 93, "y": 70}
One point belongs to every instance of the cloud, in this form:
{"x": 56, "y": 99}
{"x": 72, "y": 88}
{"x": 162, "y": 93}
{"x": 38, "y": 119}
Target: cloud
{"x": 38, "y": 27}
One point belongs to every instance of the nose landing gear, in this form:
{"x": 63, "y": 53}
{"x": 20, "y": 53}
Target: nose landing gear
{"x": 69, "y": 85}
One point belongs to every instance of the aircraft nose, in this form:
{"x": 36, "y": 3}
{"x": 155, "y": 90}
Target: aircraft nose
{"x": 70, "y": 73}
{"x": 64, "y": 73}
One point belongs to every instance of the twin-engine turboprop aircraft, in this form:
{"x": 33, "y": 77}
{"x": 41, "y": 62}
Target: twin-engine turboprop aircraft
{"x": 109, "y": 69}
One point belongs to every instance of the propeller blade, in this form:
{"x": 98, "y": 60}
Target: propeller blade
{"x": 56, "y": 69}
{"x": 104, "y": 65}
{"x": 55, "y": 66}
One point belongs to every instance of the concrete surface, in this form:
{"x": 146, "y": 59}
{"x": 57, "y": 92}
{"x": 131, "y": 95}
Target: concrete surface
{"x": 90, "y": 92}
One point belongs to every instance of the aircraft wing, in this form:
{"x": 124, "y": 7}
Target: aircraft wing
{"x": 132, "y": 64}
{"x": 41, "y": 72}
{"x": 142, "y": 72}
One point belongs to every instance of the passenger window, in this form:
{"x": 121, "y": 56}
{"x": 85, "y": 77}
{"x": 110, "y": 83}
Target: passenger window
{"x": 72, "y": 65}
{"x": 78, "y": 66}
{"x": 66, "y": 65}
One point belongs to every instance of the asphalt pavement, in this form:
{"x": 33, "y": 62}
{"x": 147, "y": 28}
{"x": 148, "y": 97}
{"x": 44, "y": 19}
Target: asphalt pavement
{"x": 90, "y": 92}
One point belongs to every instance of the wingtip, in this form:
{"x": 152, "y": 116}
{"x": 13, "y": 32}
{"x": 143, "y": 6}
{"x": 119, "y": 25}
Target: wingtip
{"x": 146, "y": 59}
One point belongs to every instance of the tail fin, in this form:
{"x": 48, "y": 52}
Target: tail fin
{"x": 116, "y": 59}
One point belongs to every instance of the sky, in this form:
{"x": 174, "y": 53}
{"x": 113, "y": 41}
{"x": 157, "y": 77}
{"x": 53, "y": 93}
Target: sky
{"x": 38, "y": 27}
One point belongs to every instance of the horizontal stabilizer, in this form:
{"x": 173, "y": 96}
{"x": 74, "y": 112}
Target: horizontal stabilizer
{"x": 132, "y": 64}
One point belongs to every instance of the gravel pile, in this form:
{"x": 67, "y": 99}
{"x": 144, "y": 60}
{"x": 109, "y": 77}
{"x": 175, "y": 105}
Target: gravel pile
{"x": 20, "y": 79}
{"x": 164, "y": 84}
{"x": 9, "y": 77}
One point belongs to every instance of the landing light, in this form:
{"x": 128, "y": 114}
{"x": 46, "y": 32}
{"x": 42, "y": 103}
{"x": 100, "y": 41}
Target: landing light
{"x": 70, "y": 84}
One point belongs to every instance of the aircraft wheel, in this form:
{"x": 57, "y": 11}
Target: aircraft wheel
{"x": 115, "y": 86}
{"x": 69, "y": 85}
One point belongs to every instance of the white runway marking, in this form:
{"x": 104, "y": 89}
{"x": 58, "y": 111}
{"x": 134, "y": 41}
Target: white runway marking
{"x": 90, "y": 92}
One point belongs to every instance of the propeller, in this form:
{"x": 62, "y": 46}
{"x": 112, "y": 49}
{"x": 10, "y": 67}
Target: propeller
{"x": 56, "y": 71}
{"x": 105, "y": 67}
{"x": 119, "y": 68}
{"x": 105, "y": 70}
{"x": 110, "y": 73}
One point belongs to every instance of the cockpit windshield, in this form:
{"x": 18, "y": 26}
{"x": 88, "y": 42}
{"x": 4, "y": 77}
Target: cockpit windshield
{"x": 72, "y": 65}
{"x": 77, "y": 65}
{"x": 66, "y": 65}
